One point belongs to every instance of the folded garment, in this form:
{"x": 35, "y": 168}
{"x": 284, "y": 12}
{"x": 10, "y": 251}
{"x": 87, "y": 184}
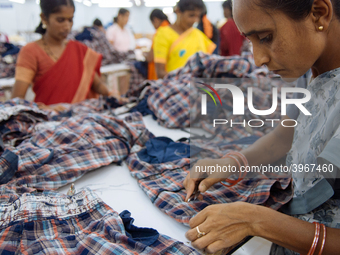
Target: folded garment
{"x": 8, "y": 59}
{"x": 11, "y": 50}
{"x": 163, "y": 184}
{"x": 52, "y": 223}
{"x": 84, "y": 35}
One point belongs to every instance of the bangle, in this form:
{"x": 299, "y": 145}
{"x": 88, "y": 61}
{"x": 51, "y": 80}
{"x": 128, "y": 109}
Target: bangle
{"x": 241, "y": 155}
{"x": 232, "y": 155}
{"x": 316, "y": 239}
{"x": 233, "y": 182}
{"x": 244, "y": 161}
{"x": 323, "y": 239}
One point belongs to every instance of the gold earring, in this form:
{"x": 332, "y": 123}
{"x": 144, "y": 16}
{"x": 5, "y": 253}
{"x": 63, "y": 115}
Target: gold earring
{"x": 320, "y": 28}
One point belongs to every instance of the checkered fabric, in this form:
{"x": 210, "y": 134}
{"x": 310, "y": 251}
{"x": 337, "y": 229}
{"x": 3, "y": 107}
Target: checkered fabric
{"x": 52, "y": 223}
{"x": 176, "y": 100}
{"x": 51, "y": 154}
{"x": 163, "y": 184}
{"x": 169, "y": 98}
{"x": 262, "y": 96}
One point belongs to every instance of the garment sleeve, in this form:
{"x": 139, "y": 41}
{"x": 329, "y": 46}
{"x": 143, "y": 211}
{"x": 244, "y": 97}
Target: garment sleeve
{"x": 111, "y": 34}
{"x": 161, "y": 47}
{"x": 27, "y": 65}
{"x": 329, "y": 161}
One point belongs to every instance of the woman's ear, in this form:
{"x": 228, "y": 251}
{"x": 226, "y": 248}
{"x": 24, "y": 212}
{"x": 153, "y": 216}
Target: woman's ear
{"x": 43, "y": 18}
{"x": 322, "y": 14}
{"x": 176, "y": 10}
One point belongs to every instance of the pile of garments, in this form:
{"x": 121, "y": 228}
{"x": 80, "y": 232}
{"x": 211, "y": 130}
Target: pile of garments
{"x": 95, "y": 39}
{"x": 41, "y": 151}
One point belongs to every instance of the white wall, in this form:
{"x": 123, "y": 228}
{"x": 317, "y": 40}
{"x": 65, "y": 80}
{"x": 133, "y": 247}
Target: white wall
{"x": 25, "y": 17}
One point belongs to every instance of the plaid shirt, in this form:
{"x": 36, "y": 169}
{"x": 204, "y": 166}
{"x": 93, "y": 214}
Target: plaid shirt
{"x": 163, "y": 184}
{"x": 169, "y": 98}
{"x": 176, "y": 100}
{"x": 53, "y": 154}
{"x": 52, "y": 223}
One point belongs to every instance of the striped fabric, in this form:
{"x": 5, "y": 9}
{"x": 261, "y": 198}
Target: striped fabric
{"x": 163, "y": 184}
{"x": 52, "y": 223}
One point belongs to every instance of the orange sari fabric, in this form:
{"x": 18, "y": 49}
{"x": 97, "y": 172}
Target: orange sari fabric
{"x": 68, "y": 80}
{"x": 152, "y": 75}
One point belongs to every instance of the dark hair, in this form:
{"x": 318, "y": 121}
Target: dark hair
{"x": 121, "y": 11}
{"x": 227, "y": 4}
{"x": 190, "y": 5}
{"x": 51, "y": 6}
{"x": 97, "y": 23}
{"x": 159, "y": 14}
{"x": 204, "y": 11}
{"x": 296, "y": 10}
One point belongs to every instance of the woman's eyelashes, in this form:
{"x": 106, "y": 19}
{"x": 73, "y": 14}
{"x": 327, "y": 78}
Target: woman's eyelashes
{"x": 266, "y": 39}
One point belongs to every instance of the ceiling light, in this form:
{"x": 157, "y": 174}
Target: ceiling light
{"x": 115, "y": 3}
{"x": 18, "y": 1}
{"x": 138, "y": 2}
{"x": 157, "y": 3}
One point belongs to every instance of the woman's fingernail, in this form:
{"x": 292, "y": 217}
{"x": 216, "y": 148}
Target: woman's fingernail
{"x": 202, "y": 187}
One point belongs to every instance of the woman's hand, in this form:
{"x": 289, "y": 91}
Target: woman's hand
{"x": 224, "y": 226}
{"x": 206, "y": 180}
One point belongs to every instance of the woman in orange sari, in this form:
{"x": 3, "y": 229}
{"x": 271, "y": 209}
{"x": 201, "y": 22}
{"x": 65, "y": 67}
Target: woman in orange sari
{"x": 61, "y": 71}
{"x": 158, "y": 19}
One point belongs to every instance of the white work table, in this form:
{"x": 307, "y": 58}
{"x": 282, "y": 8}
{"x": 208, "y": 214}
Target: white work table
{"x": 117, "y": 188}
{"x": 114, "y": 68}
{"x": 6, "y": 83}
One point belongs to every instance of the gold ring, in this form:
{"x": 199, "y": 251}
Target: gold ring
{"x": 199, "y": 233}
